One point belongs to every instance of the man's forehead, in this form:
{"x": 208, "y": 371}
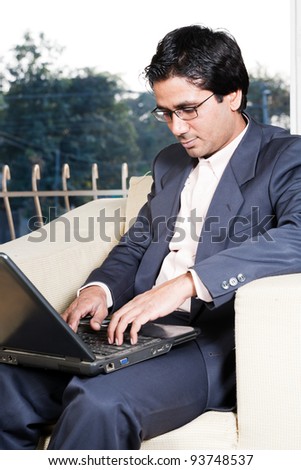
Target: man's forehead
{"x": 177, "y": 92}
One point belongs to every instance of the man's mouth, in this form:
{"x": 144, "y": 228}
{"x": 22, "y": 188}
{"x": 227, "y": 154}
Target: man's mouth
{"x": 188, "y": 143}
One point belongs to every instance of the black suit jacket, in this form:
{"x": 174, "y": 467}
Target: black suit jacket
{"x": 252, "y": 230}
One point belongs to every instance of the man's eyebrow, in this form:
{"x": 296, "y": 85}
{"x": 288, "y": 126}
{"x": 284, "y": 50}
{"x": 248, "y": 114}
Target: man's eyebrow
{"x": 184, "y": 104}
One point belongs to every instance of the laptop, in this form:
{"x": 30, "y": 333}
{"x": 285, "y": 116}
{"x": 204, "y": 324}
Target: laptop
{"x": 33, "y": 334}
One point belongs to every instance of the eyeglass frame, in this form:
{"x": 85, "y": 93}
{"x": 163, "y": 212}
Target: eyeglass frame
{"x": 170, "y": 113}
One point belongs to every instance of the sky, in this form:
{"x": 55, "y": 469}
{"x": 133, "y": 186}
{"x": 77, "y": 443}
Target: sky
{"x": 120, "y": 36}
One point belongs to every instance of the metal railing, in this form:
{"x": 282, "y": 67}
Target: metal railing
{"x": 65, "y": 193}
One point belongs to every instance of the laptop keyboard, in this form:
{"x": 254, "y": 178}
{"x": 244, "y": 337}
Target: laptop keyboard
{"x": 98, "y": 342}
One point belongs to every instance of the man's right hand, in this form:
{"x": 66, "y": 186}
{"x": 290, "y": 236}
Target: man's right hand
{"x": 91, "y": 301}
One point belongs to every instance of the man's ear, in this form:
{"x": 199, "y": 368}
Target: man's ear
{"x": 235, "y": 99}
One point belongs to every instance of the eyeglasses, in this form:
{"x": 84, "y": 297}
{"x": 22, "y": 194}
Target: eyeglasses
{"x": 186, "y": 114}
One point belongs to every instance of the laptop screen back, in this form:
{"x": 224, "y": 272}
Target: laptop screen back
{"x": 25, "y": 321}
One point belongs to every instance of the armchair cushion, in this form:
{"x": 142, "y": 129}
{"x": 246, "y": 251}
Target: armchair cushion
{"x": 212, "y": 430}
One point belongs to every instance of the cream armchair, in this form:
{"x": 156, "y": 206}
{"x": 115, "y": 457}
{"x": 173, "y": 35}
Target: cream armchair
{"x": 58, "y": 258}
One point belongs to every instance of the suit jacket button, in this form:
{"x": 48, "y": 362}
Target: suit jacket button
{"x": 241, "y": 277}
{"x": 225, "y": 285}
{"x": 233, "y": 281}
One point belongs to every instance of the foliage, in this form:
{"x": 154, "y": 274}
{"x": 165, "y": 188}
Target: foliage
{"x": 50, "y": 119}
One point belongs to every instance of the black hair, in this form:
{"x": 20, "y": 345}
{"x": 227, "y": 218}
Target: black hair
{"x": 211, "y": 60}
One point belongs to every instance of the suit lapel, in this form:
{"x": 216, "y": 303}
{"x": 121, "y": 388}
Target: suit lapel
{"x": 228, "y": 197}
{"x": 166, "y": 204}
{"x": 164, "y": 209}
{"x": 225, "y": 204}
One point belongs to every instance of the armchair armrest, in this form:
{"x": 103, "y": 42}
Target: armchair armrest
{"x": 268, "y": 344}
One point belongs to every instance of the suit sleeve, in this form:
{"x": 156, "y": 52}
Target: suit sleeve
{"x": 119, "y": 269}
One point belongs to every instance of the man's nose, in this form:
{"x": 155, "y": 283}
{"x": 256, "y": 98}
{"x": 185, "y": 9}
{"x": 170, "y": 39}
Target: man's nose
{"x": 178, "y": 126}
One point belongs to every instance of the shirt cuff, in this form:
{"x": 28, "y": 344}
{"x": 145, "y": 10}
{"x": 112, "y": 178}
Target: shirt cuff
{"x": 105, "y": 288}
{"x": 201, "y": 291}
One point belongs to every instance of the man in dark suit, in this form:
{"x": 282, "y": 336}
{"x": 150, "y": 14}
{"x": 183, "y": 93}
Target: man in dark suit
{"x": 224, "y": 209}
